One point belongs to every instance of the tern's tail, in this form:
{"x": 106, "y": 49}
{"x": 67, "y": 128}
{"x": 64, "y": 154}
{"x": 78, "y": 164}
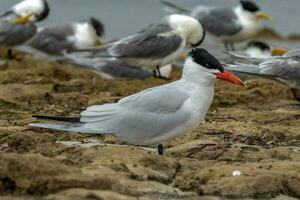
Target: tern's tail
{"x": 70, "y": 124}
{"x": 69, "y": 127}
{"x": 170, "y": 7}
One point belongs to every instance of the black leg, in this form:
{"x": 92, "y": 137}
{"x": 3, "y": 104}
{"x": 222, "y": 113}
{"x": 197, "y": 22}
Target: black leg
{"x": 158, "y": 71}
{"x": 157, "y": 74}
{"x": 232, "y": 47}
{"x": 296, "y": 93}
{"x": 160, "y": 149}
{"x": 10, "y": 54}
{"x": 226, "y": 46}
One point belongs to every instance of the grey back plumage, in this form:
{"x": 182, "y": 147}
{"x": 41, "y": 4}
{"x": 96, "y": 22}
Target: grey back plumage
{"x": 109, "y": 66}
{"x": 156, "y": 41}
{"x": 219, "y": 22}
{"x": 132, "y": 118}
{"x": 287, "y": 70}
{"x": 53, "y": 39}
{"x": 284, "y": 68}
{"x": 13, "y": 35}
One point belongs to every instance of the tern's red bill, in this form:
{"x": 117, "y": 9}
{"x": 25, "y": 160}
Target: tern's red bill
{"x": 229, "y": 77}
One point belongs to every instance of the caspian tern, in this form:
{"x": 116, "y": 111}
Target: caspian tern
{"x": 156, "y": 114}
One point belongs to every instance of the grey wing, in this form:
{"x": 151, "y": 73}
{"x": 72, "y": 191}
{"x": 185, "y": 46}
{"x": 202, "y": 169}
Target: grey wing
{"x": 154, "y": 42}
{"x": 12, "y": 35}
{"x": 292, "y": 53}
{"x": 219, "y": 22}
{"x": 285, "y": 69}
{"x": 247, "y": 68}
{"x": 108, "y": 67}
{"x": 246, "y": 58}
{"x": 146, "y": 114}
{"x": 53, "y": 40}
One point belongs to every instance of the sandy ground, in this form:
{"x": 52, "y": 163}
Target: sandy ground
{"x": 252, "y": 132}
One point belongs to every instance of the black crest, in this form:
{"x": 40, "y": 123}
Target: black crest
{"x": 98, "y": 26}
{"x": 205, "y": 59}
{"x": 249, "y": 6}
{"x": 45, "y": 12}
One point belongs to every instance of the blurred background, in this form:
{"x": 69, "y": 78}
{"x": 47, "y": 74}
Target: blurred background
{"x": 123, "y": 17}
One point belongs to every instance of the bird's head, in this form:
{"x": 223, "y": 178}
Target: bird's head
{"x": 189, "y": 28}
{"x": 31, "y": 11}
{"x": 201, "y": 60}
{"x": 98, "y": 28}
{"x": 254, "y": 10}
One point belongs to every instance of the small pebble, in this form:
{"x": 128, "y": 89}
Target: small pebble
{"x": 236, "y": 173}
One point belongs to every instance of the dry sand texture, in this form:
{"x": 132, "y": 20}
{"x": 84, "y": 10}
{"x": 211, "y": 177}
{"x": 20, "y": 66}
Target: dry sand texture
{"x": 254, "y": 132}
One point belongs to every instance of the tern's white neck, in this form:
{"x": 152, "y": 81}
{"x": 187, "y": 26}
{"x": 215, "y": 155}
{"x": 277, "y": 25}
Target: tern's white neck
{"x": 192, "y": 72}
{"x": 85, "y": 35}
{"x": 246, "y": 17}
{"x": 249, "y": 23}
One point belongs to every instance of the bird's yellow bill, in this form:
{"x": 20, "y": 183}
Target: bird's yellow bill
{"x": 22, "y": 19}
{"x": 99, "y": 42}
{"x": 276, "y": 51}
{"x": 182, "y": 57}
{"x": 263, "y": 16}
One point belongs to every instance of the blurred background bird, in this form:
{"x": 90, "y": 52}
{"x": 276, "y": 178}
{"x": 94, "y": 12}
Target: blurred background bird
{"x": 111, "y": 68}
{"x": 227, "y": 25}
{"x": 56, "y": 39}
{"x": 17, "y": 25}
{"x": 284, "y": 68}
{"x": 155, "y": 46}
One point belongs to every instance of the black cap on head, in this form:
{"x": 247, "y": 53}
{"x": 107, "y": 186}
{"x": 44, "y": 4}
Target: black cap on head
{"x": 205, "y": 59}
{"x": 45, "y": 12}
{"x": 249, "y": 6}
{"x": 98, "y": 26}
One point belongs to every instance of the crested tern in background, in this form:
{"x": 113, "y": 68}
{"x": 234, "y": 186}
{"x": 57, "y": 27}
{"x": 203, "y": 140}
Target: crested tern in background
{"x": 56, "y": 39}
{"x": 284, "y": 68}
{"x": 156, "y": 114}
{"x": 258, "y": 49}
{"x": 229, "y": 25}
{"x": 157, "y": 45}
{"x": 17, "y": 25}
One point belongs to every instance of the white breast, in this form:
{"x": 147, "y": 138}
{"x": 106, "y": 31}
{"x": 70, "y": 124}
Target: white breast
{"x": 250, "y": 25}
{"x": 85, "y": 36}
